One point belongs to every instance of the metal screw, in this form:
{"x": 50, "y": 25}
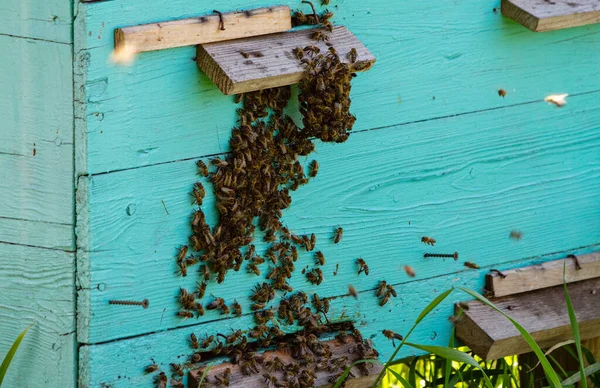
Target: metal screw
{"x": 143, "y": 303}
{"x": 452, "y": 255}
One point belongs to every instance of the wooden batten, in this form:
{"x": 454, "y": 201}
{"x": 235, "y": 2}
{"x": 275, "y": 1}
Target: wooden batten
{"x": 204, "y": 29}
{"x": 258, "y": 63}
{"x": 544, "y": 275}
{"x": 544, "y": 15}
{"x": 357, "y": 378}
{"x": 543, "y": 313}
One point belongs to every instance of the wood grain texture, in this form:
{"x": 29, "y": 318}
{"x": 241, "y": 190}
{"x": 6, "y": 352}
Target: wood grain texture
{"x": 37, "y": 286}
{"x": 543, "y": 275}
{"x": 36, "y": 136}
{"x": 35, "y": 233}
{"x": 45, "y": 20}
{"x": 114, "y": 364}
{"x": 271, "y": 62}
{"x": 543, "y": 15}
{"x": 164, "y": 109}
{"x": 543, "y": 313}
{"x": 531, "y": 167}
{"x": 204, "y": 29}
{"x": 338, "y": 349}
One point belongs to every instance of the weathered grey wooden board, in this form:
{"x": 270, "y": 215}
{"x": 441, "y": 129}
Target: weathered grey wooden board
{"x": 164, "y": 109}
{"x": 204, "y": 29}
{"x": 37, "y": 286}
{"x": 546, "y": 15}
{"x": 497, "y": 171}
{"x": 543, "y": 313}
{"x": 543, "y": 275}
{"x": 263, "y": 62}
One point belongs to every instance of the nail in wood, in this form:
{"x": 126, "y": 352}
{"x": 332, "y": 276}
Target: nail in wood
{"x": 143, "y": 303}
{"x": 452, "y": 255}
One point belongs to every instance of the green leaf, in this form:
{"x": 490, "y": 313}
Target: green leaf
{"x": 575, "y": 328}
{"x": 453, "y": 354}
{"x": 204, "y": 373}
{"x": 589, "y": 370}
{"x": 11, "y": 353}
{"x": 433, "y": 304}
{"x": 551, "y": 375}
{"x": 401, "y": 379}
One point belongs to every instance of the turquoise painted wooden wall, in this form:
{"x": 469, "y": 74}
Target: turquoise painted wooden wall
{"x": 435, "y": 151}
{"x": 37, "y": 249}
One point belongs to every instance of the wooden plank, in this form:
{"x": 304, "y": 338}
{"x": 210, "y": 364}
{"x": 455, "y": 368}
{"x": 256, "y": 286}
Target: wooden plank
{"x": 543, "y": 313}
{"x": 45, "y": 20}
{"x": 544, "y": 15}
{"x": 35, "y": 233}
{"x": 204, "y": 29}
{"x": 257, "y": 63}
{"x": 113, "y": 364}
{"x": 543, "y": 275}
{"x": 418, "y": 190}
{"x": 36, "y": 286}
{"x": 338, "y": 349}
{"x": 36, "y": 147}
{"x": 176, "y": 96}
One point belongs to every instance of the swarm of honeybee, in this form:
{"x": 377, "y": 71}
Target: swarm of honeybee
{"x": 252, "y": 186}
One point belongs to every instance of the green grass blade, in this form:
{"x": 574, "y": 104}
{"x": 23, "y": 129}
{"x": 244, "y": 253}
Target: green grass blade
{"x": 401, "y": 379}
{"x": 551, "y": 375}
{"x": 344, "y": 375}
{"x": 412, "y": 375}
{"x": 453, "y": 354}
{"x": 448, "y": 364}
{"x": 589, "y": 370}
{"x": 204, "y": 373}
{"x": 433, "y": 304}
{"x": 575, "y": 328}
{"x": 11, "y": 353}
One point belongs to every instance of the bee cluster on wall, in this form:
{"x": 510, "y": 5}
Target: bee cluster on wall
{"x": 254, "y": 183}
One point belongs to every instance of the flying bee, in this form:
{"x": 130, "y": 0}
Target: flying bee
{"x": 428, "y": 240}
{"x": 337, "y": 235}
{"x": 207, "y": 341}
{"x": 151, "y": 368}
{"x": 392, "y": 336}
{"x": 198, "y": 193}
{"x": 516, "y": 235}
{"x": 352, "y": 55}
{"x": 409, "y": 271}
{"x": 177, "y": 369}
{"x": 194, "y": 341}
{"x": 216, "y": 304}
{"x": 471, "y": 265}
{"x": 200, "y": 290}
{"x": 236, "y": 308}
{"x": 352, "y": 291}
{"x": 320, "y": 258}
{"x": 362, "y": 266}
{"x": 202, "y": 168}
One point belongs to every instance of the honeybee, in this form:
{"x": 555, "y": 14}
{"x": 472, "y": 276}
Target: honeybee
{"x": 205, "y": 272}
{"x": 161, "y": 380}
{"x": 219, "y": 163}
{"x": 253, "y": 268}
{"x": 202, "y": 168}
{"x": 313, "y": 169}
{"x": 352, "y": 55}
{"x": 151, "y": 368}
{"x": 177, "y": 369}
{"x": 216, "y": 304}
{"x": 298, "y": 53}
{"x": 237, "y": 308}
{"x": 225, "y": 310}
{"x": 207, "y": 341}
{"x": 471, "y": 265}
{"x": 183, "y": 250}
{"x": 198, "y": 193}
{"x": 362, "y": 266}
{"x": 381, "y": 288}
{"x": 516, "y": 235}
{"x": 185, "y": 314}
{"x": 337, "y": 235}
{"x": 182, "y": 268}
{"x": 319, "y": 36}
{"x": 200, "y": 290}
{"x": 362, "y": 65}
{"x": 352, "y": 291}
{"x": 409, "y": 271}
{"x": 391, "y": 291}
{"x": 199, "y": 310}
{"x": 194, "y": 341}
{"x": 501, "y": 92}
{"x": 224, "y": 378}
{"x": 428, "y": 240}
{"x": 315, "y": 276}
{"x": 320, "y": 258}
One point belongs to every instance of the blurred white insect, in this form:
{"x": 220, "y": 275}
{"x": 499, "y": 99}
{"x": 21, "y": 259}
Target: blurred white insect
{"x": 123, "y": 55}
{"x": 557, "y": 99}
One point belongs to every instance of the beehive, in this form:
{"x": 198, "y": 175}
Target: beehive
{"x": 97, "y": 162}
